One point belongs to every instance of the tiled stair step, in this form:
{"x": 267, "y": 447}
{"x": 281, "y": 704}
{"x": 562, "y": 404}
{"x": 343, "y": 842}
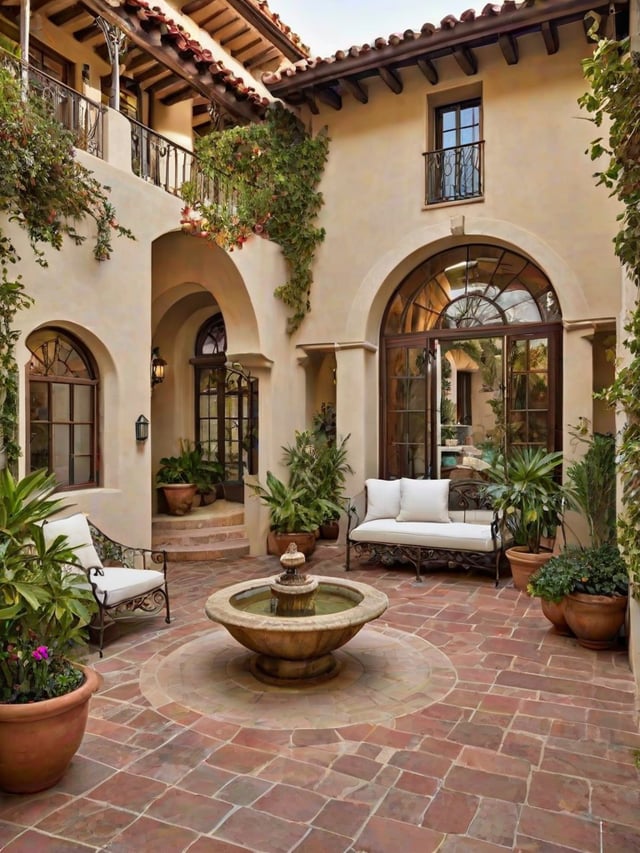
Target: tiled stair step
{"x": 199, "y": 518}
{"x": 229, "y": 549}
{"x": 197, "y": 536}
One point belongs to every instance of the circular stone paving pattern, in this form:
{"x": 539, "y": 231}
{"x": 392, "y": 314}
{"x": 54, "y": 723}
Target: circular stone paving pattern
{"x": 384, "y": 674}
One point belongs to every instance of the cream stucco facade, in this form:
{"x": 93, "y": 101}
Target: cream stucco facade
{"x": 539, "y": 200}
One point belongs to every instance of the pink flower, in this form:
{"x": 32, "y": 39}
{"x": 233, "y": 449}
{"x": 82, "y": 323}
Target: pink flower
{"x": 41, "y": 653}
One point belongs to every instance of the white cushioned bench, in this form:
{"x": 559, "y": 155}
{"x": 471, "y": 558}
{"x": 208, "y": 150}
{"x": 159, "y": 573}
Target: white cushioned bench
{"x": 422, "y": 522}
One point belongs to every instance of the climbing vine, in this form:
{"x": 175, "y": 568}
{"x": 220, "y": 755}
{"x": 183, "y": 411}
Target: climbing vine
{"x": 613, "y": 73}
{"x": 45, "y": 192}
{"x": 265, "y": 178}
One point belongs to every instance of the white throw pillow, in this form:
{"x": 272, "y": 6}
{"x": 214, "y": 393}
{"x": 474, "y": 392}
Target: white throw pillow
{"x": 76, "y": 529}
{"x": 383, "y": 499}
{"x": 424, "y": 500}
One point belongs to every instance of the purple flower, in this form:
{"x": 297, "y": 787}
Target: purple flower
{"x": 41, "y": 653}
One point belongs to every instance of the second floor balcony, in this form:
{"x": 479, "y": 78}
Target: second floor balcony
{"x": 454, "y": 174}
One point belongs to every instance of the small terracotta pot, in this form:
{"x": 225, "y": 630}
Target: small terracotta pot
{"x": 179, "y": 497}
{"x": 595, "y": 619}
{"x": 554, "y": 611}
{"x": 277, "y": 543}
{"x": 524, "y": 563}
{"x": 38, "y": 740}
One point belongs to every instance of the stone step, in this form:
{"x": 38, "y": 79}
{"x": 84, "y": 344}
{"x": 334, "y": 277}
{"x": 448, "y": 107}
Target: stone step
{"x": 197, "y": 536}
{"x": 219, "y": 514}
{"x": 229, "y": 549}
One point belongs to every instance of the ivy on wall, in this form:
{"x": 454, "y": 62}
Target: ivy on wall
{"x": 270, "y": 173}
{"x": 613, "y": 73}
{"x": 45, "y": 192}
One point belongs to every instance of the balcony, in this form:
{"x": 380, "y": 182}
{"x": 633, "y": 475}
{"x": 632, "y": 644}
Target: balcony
{"x": 454, "y": 174}
{"x": 153, "y": 158}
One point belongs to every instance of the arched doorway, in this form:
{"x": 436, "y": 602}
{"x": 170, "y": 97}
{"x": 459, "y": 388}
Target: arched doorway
{"x": 226, "y": 407}
{"x": 471, "y": 351}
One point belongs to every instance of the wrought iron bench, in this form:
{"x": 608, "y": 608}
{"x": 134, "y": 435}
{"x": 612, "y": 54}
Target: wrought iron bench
{"x": 443, "y": 522}
{"x": 125, "y": 583}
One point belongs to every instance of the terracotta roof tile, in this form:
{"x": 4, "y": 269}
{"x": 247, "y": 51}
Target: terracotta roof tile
{"x": 294, "y": 38}
{"x": 448, "y": 23}
{"x": 190, "y": 49}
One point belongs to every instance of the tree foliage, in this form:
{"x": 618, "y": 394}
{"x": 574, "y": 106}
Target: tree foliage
{"x": 613, "y": 101}
{"x": 48, "y": 194}
{"x": 267, "y": 176}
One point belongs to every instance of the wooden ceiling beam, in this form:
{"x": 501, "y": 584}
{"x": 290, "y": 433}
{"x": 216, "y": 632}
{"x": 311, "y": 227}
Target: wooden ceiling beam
{"x": 267, "y": 28}
{"x": 244, "y": 109}
{"x": 237, "y": 34}
{"x": 178, "y": 97}
{"x": 467, "y": 60}
{"x": 550, "y": 35}
{"x": 391, "y": 78}
{"x": 194, "y": 6}
{"x": 310, "y": 101}
{"x": 429, "y": 70}
{"x": 355, "y": 88}
{"x": 329, "y": 97}
{"x": 509, "y": 47}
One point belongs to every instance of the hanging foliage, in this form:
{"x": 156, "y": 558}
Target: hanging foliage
{"x": 262, "y": 179}
{"x": 48, "y": 195}
{"x": 614, "y": 77}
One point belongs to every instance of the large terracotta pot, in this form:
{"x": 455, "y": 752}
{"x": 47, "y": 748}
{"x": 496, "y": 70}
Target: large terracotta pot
{"x": 554, "y": 611}
{"x": 277, "y": 543}
{"x": 38, "y": 740}
{"x": 179, "y": 497}
{"x": 595, "y": 619}
{"x": 524, "y": 563}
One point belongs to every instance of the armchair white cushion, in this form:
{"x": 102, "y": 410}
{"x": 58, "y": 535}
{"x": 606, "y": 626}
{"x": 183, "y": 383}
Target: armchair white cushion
{"x": 117, "y": 584}
{"x": 76, "y": 529}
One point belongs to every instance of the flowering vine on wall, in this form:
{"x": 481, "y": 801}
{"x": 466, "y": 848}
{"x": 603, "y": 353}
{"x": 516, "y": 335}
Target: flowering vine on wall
{"x": 262, "y": 179}
{"x": 47, "y": 194}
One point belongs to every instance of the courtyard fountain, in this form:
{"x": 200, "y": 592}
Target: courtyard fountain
{"x": 294, "y": 622}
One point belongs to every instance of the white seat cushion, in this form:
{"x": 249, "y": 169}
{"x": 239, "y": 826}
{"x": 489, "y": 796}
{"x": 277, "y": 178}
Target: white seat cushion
{"x": 423, "y": 500}
{"x": 383, "y": 499}
{"x": 76, "y": 529}
{"x": 121, "y": 584}
{"x": 387, "y": 531}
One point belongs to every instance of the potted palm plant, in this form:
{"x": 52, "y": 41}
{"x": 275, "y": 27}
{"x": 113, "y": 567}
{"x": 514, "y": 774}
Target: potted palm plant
{"x": 295, "y": 513}
{"x": 318, "y": 462}
{"x": 530, "y": 500}
{"x": 181, "y": 477}
{"x": 45, "y": 609}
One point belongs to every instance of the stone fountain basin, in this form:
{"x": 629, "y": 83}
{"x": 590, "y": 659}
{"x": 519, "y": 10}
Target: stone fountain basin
{"x": 301, "y": 637}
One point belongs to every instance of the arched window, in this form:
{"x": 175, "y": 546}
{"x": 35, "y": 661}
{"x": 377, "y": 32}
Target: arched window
{"x": 471, "y": 353}
{"x": 63, "y": 385}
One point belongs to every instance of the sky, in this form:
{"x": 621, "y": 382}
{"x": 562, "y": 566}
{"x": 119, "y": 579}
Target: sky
{"x": 330, "y": 25}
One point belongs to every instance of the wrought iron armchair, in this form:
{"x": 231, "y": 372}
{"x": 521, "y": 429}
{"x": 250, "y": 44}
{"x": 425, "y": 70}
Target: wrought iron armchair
{"x": 125, "y": 584}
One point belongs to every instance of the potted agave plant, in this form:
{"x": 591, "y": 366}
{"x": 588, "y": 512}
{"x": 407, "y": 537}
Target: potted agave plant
{"x": 45, "y": 610}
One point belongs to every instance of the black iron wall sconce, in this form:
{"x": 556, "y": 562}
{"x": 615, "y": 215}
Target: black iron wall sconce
{"x": 142, "y": 428}
{"x": 158, "y": 365}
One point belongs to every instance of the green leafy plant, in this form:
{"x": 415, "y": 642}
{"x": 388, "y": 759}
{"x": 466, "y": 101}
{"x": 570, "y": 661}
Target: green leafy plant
{"x": 45, "y": 605}
{"x": 613, "y": 74}
{"x": 597, "y": 570}
{"x": 524, "y": 491}
{"x": 293, "y": 509}
{"x": 593, "y": 481}
{"x": 320, "y": 466}
{"x": 48, "y": 194}
{"x": 190, "y": 466}
{"x": 266, "y": 175}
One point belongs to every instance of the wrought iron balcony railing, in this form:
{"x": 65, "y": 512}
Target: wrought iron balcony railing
{"x": 454, "y": 174}
{"x": 83, "y": 117}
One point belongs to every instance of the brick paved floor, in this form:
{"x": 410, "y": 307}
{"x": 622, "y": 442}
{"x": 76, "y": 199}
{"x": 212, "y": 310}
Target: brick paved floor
{"x": 460, "y": 722}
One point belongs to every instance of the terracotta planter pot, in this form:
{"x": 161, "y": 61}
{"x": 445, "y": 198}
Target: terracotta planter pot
{"x": 555, "y": 614}
{"x": 38, "y": 740}
{"x": 277, "y": 543}
{"x": 329, "y": 530}
{"x": 524, "y": 563}
{"x": 179, "y": 497}
{"x": 595, "y": 619}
